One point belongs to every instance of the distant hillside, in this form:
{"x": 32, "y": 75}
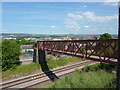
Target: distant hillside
{"x": 73, "y": 36}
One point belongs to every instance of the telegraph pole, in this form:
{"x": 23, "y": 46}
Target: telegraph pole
{"x": 118, "y": 62}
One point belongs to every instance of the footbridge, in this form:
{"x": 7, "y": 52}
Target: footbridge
{"x": 105, "y": 51}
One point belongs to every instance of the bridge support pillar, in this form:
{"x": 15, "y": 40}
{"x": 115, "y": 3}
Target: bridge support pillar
{"x": 39, "y": 56}
{"x": 35, "y": 57}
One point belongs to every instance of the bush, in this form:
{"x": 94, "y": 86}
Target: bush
{"x": 9, "y": 64}
{"x": 107, "y": 67}
{"x": 78, "y": 70}
{"x": 93, "y": 79}
{"x": 98, "y": 66}
{"x": 10, "y": 54}
{"x": 91, "y": 67}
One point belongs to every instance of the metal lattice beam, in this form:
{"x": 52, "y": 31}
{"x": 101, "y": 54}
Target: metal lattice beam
{"x": 99, "y": 50}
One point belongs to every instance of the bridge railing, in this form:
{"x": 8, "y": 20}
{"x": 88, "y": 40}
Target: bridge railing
{"x": 99, "y": 50}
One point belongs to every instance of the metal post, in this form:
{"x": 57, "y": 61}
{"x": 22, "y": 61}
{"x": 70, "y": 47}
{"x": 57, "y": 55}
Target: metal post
{"x": 118, "y": 62}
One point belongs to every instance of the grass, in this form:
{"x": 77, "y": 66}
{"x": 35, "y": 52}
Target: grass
{"x": 24, "y": 70}
{"x": 61, "y": 62}
{"x": 91, "y": 79}
{"x": 21, "y": 71}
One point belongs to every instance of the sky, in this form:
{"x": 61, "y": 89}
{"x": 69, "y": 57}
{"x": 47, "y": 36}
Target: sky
{"x": 60, "y": 17}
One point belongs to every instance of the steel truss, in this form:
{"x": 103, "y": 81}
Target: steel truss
{"x": 99, "y": 50}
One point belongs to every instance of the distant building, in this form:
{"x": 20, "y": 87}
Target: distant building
{"x": 56, "y": 39}
{"x": 67, "y": 38}
{"x": 25, "y": 48}
{"x": 31, "y": 39}
{"x": 9, "y": 38}
{"x": 91, "y": 38}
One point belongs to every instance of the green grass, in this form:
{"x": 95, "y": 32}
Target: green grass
{"x": 61, "y": 62}
{"x": 21, "y": 71}
{"x": 91, "y": 76}
{"x": 91, "y": 79}
{"x": 24, "y": 70}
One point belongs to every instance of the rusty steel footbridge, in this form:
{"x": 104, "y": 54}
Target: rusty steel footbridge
{"x": 105, "y": 51}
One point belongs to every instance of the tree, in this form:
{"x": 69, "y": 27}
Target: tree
{"x": 23, "y": 42}
{"x": 108, "y": 48}
{"x": 10, "y": 54}
{"x": 105, "y": 36}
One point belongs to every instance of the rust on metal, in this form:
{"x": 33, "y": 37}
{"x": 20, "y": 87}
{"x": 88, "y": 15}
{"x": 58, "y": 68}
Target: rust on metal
{"x": 99, "y": 50}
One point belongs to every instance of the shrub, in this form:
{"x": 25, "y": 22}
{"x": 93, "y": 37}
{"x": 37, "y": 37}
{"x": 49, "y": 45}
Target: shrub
{"x": 91, "y": 68}
{"x": 93, "y": 79}
{"x": 78, "y": 70}
{"x": 108, "y": 67}
{"x": 10, "y": 54}
{"x": 9, "y": 64}
{"x": 98, "y": 66}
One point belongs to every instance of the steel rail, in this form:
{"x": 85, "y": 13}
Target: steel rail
{"x": 56, "y": 71}
{"x": 60, "y": 75}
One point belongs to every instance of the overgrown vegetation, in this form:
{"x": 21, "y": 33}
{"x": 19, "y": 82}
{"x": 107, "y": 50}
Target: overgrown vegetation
{"x": 33, "y": 68}
{"x": 95, "y": 76}
{"x": 98, "y": 66}
{"x": 10, "y": 54}
{"x": 61, "y": 62}
{"x": 21, "y": 71}
{"x": 94, "y": 79}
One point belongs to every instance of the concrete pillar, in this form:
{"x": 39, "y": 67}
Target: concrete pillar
{"x": 35, "y": 56}
{"x": 41, "y": 56}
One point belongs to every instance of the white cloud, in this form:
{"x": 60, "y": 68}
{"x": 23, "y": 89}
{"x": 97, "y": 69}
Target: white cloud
{"x": 53, "y": 27}
{"x": 92, "y": 17}
{"x": 75, "y": 16}
{"x": 74, "y": 20}
{"x": 85, "y": 6}
{"x": 111, "y": 3}
{"x": 108, "y": 28}
{"x": 71, "y": 24}
{"x": 110, "y": 0}
{"x": 86, "y": 26}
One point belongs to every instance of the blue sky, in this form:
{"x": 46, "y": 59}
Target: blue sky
{"x": 60, "y": 17}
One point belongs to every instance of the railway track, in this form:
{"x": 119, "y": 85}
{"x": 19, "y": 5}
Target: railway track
{"x": 31, "y": 80}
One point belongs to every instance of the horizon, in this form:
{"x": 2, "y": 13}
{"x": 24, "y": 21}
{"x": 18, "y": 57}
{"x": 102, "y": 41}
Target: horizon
{"x": 54, "y": 34}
